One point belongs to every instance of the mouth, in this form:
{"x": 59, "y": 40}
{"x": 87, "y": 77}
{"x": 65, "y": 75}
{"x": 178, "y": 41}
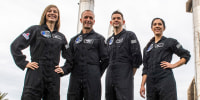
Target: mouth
{"x": 88, "y": 23}
{"x": 157, "y": 29}
{"x": 52, "y": 16}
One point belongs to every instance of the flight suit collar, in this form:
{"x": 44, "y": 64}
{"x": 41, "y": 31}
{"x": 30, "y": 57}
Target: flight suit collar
{"x": 46, "y": 27}
{"x": 118, "y": 35}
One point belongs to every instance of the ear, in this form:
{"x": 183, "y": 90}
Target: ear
{"x": 110, "y": 22}
{"x": 94, "y": 21}
{"x": 81, "y": 20}
{"x": 123, "y": 22}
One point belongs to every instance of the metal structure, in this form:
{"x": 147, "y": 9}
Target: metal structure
{"x": 194, "y": 7}
{"x": 84, "y": 5}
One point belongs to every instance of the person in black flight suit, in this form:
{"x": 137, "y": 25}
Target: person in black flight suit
{"x": 89, "y": 62}
{"x": 124, "y": 58}
{"x": 157, "y": 71}
{"x": 46, "y": 44}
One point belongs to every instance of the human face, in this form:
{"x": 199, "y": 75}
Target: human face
{"x": 157, "y": 27}
{"x": 52, "y": 15}
{"x": 87, "y": 19}
{"x": 117, "y": 21}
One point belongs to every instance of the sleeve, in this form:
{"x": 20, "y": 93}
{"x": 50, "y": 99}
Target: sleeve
{"x": 20, "y": 43}
{"x": 145, "y": 68}
{"x": 180, "y": 51}
{"x": 67, "y": 54}
{"x": 135, "y": 51}
{"x": 103, "y": 52}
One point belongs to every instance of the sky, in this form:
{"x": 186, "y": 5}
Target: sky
{"x": 18, "y": 15}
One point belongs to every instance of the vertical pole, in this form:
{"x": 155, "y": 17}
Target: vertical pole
{"x": 196, "y": 21}
{"x": 84, "y": 5}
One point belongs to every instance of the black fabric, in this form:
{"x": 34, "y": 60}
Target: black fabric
{"x": 125, "y": 54}
{"x": 90, "y": 60}
{"x": 160, "y": 80}
{"x": 45, "y": 49}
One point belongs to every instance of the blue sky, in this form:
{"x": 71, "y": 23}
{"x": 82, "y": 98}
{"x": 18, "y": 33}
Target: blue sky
{"x": 18, "y": 15}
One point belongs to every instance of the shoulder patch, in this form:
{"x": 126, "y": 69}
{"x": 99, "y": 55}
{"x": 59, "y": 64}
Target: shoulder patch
{"x": 178, "y": 45}
{"x": 79, "y": 39}
{"x": 111, "y": 40}
{"x": 26, "y": 35}
{"x": 133, "y": 41}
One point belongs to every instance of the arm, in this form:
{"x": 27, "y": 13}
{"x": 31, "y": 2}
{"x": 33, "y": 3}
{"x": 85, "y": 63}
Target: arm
{"x": 104, "y": 59}
{"x": 165, "y": 64}
{"x": 134, "y": 71}
{"x": 66, "y": 54}
{"x": 135, "y": 52}
{"x": 142, "y": 88}
{"x": 179, "y": 51}
{"x": 20, "y": 43}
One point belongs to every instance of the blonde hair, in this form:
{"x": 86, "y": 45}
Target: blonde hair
{"x": 43, "y": 18}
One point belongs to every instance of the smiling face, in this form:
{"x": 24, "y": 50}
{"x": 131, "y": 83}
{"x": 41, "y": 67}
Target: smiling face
{"x": 158, "y": 27}
{"x": 117, "y": 21}
{"x": 52, "y": 15}
{"x": 87, "y": 19}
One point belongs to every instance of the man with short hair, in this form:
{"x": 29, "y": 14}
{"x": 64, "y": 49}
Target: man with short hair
{"x": 90, "y": 60}
{"x": 124, "y": 58}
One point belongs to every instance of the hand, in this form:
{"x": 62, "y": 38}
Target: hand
{"x": 59, "y": 70}
{"x": 32, "y": 65}
{"x": 166, "y": 65}
{"x": 142, "y": 91}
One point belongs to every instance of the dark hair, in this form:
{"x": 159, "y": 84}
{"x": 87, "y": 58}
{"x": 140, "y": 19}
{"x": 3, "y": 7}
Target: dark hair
{"x": 156, "y": 19}
{"x": 117, "y": 12}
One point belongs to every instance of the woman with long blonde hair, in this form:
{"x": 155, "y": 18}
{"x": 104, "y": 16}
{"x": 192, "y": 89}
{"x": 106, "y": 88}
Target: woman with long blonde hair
{"x": 46, "y": 43}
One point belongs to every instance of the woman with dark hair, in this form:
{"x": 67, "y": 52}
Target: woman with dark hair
{"x": 46, "y": 43}
{"x": 157, "y": 71}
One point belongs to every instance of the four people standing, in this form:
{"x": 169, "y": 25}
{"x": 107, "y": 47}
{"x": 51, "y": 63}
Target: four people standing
{"x": 87, "y": 56}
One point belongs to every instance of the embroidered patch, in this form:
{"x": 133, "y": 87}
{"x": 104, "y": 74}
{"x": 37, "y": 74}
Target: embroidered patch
{"x": 26, "y": 35}
{"x": 66, "y": 46}
{"x": 159, "y": 45}
{"x": 88, "y": 41}
{"x": 178, "y": 45}
{"x": 46, "y": 34}
{"x": 119, "y": 40}
{"x": 79, "y": 39}
{"x": 133, "y": 41}
{"x": 150, "y": 47}
{"x": 57, "y": 36}
{"x": 111, "y": 40}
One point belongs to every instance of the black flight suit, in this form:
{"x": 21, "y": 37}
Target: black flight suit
{"x": 90, "y": 60}
{"x": 124, "y": 55}
{"x": 45, "y": 49}
{"x": 161, "y": 84}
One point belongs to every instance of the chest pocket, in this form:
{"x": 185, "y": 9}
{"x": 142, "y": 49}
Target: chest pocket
{"x": 90, "y": 43}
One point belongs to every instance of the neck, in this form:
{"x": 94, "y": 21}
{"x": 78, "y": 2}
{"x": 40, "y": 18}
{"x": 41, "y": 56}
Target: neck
{"x": 157, "y": 38}
{"x": 86, "y": 30}
{"x": 51, "y": 26}
{"x": 117, "y": 30}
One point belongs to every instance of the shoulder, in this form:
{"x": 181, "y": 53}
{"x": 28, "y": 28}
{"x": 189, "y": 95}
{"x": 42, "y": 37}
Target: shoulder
{"x": 130, "y": 33}
{"x": 97, "y": 35}
{"x": 33, "y": 27}
{"x": 171, "y": 40}
{"x": 74, "y": 37}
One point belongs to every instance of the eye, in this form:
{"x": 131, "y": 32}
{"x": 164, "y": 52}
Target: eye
{"x": 118, "y": 18}
{"x": 160, "y": 24}
{"x": 55, "y": 11}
